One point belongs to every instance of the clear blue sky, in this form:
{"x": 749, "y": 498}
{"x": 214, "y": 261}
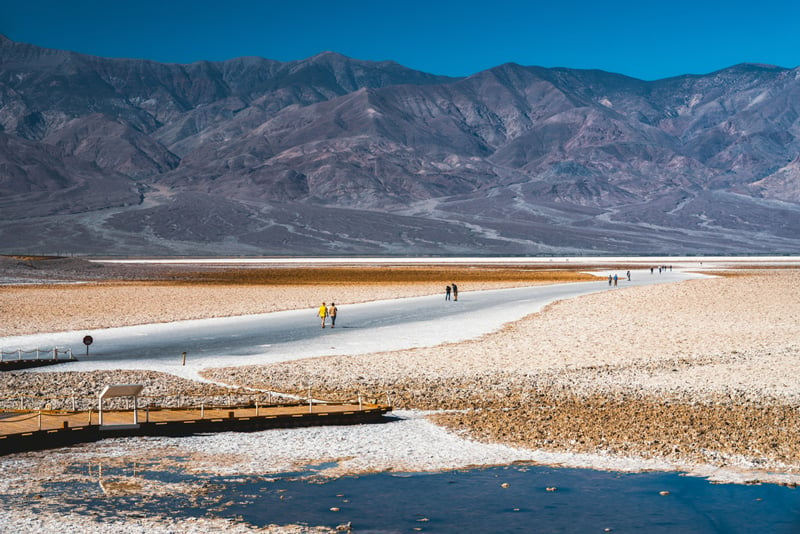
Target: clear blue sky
{"x": 641, "y": 38}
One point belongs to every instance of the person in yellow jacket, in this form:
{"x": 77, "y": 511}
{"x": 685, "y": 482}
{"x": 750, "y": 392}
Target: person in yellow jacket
{"x": 323, "y": 313}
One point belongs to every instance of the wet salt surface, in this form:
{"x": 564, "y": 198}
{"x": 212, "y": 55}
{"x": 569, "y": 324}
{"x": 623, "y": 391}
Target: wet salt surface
{"x": 516, "y": 498}
{"x": 395, "y": 477}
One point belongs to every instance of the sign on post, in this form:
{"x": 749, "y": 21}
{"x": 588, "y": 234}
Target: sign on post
{"x": 120, "y": 390}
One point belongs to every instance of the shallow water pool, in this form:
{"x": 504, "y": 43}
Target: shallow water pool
{"x": 516, "y": 498}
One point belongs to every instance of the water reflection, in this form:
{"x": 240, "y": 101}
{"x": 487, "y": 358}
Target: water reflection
{"x": 500, "y": 499}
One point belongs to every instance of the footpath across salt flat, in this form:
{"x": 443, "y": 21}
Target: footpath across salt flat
{"x": 386, "y": 325}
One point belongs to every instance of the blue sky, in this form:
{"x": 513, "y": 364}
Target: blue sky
{"x": 644, "y": 39}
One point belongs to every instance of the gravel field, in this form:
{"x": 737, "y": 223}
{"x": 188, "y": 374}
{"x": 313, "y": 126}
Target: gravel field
{"x": 696, "y": 372}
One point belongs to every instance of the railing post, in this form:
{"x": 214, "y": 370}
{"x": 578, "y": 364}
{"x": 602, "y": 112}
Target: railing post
{"x": 37, "y": 353}
{"x": 55, "y": 353}
{"x": 40, "y": 420}
{"x": 19, "y": 354}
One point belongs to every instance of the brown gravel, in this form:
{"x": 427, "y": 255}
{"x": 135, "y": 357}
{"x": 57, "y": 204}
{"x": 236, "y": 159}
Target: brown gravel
{"x": 697, "y": 372}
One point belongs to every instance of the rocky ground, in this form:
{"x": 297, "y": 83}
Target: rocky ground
{"x": 696, "y": 372}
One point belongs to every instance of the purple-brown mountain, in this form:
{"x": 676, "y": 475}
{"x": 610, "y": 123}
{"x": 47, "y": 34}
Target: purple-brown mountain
{"x": 333, "y": 155}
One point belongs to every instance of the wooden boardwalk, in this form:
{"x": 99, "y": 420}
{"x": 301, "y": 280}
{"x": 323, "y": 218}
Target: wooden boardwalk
{"x": 31, "y": 430}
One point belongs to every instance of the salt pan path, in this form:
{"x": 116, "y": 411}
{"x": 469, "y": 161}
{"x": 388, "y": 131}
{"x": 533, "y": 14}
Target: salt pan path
{"x": 364, "y": 328}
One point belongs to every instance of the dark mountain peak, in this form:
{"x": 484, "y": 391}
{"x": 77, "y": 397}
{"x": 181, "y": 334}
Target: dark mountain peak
{"x": 249, "y": 62}
{"x": 570, "y": 80}
{"x": 332, "y": 60}
{"x": 508, "y": 74}
{"x": 742, "y": 73}
{"x": 339, "y": 63}
{"x": 507, "y": 67}
{"x": 335, "y": 59}
{"x": 328, "y": 56}
{"x": 331, "y": 73}
{"x": 753, "y": 67}
{"x": 16, "y": 52}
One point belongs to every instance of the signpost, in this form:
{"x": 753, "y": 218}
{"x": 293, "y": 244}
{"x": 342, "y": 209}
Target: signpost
{"x": 120, "y": 390}
{"x": 87, "y": 340}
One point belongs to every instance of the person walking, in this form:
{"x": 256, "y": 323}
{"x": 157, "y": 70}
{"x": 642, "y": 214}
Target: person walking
{"x": 615, "y": 280}
{"x": 332, "y": 314}
{"x": 455, "y": 292}
{"x": 610, "y": 280}
{"x": 629, "y": 276}
{"x": 323, "y": 313}
{"x": 447, "y": 293}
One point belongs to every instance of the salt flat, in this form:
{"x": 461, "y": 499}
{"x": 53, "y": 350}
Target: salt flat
{"x": 693, "y": 376}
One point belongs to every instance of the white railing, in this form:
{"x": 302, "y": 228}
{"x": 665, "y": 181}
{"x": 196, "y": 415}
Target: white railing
{"x": 36, "y": 354}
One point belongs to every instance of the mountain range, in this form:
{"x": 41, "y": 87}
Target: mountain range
{"x": 336, "y": 156}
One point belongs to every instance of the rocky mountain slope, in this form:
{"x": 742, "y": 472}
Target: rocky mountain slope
{"x": 332, "y": 155}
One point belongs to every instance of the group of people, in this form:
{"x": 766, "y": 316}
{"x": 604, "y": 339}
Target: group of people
{"x": 451, "y": 289}
{"x": 614, "y": 279}
{"x": 328, "y": 311}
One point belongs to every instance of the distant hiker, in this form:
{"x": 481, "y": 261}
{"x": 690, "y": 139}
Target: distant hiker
{"x": 447, "y": 293}
{"x": 455, "y": 292}
{"x": 615, "y": 280}
{"x": 610, "y": 280}
{"x": 651, "y": 270}
{"x": 332, "y": 314}
{"x": 629, "y": 276}
{"x": 323, "y": 313}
